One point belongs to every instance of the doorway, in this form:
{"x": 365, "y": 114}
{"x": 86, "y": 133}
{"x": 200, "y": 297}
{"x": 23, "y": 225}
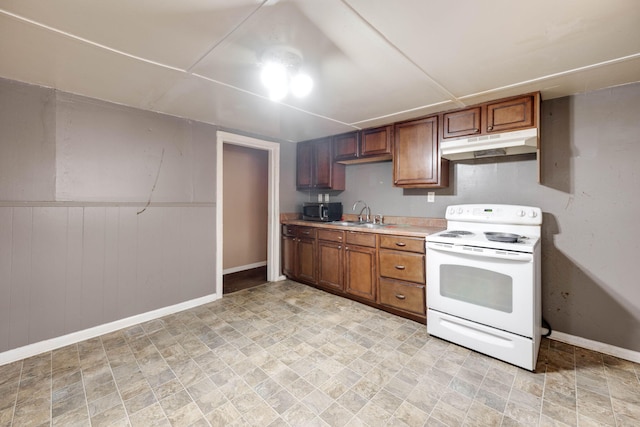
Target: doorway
{"x": 273, "y": 203}
{"x": 245, "y": 172}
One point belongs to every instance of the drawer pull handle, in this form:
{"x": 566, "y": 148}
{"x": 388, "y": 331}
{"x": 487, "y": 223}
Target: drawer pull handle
{"x": 306, "y": 232}
{"x": 401, "y": 244}
{"x": 400, "y": 267}
{"x": 400, "y": 296}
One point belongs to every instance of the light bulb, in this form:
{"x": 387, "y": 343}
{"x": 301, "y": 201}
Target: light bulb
{"x": 301, "y": 85}
{"x": 273, "y": 74}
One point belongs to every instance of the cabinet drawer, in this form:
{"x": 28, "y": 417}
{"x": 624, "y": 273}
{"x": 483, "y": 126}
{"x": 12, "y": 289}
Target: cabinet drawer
{"x": 403, "y": 296}
{"x": 289, "y": 230}
{"x": 398, "y": 243}
{"x": 331, "y": 235}
{"x": 307, "y": 232}
{"x": 402, "y": 265}
{"x": 361, "y": 239}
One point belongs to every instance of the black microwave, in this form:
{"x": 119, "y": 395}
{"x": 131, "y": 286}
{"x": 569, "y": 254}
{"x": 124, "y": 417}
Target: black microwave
{"x": 322, "y": 211}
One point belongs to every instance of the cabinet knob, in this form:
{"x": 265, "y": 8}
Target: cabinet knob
{"x": 400, "y": 296}
{"x": 476, "y": 130}
{"x": 401, "y": 244}
{"x": 489, "y": 127}
{"x": 339, "y": 247}
{"x": 400, "y": 267}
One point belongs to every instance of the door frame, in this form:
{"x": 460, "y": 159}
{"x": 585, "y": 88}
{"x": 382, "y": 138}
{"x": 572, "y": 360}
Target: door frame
{"x": 273, "y": 202}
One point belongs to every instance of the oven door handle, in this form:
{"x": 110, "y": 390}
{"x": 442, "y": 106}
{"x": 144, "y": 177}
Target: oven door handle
{"x": 480, "y": 252}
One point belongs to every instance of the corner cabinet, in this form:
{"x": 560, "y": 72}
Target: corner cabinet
{"x": 416, "y": 158}
{"x": 299, "y": 253}
{"x": 315, "y": 167}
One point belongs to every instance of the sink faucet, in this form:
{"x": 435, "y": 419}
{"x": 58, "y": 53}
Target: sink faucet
{"x": 368, "y": 217}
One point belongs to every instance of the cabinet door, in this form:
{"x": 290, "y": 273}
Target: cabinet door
{"x": 306, "y": 257}
{"x": 360, "y": 271}
{"x": 330, "y": 269}
{"x": 346, "y": 146}
{"x": 461, "y": 123}
{"x": 512, "y": 114}
{"x": 323, "y": 163}
{"x": 376, "y": 142}
{"x": 304, "y": 165}
{"x": 289, "y": 256}
{"x": 416, "y": 159}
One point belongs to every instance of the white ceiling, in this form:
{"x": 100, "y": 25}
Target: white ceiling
{"x": 373, "y": 61}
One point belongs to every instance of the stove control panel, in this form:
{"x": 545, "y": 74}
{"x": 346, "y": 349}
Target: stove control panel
{"x": 497, "y": 214}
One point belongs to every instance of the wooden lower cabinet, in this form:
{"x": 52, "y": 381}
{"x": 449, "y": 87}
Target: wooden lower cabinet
{"x": 307, "y": 260}
{"x": 331, "y": 260}
{"x": 402, "y": 274}
{"x": 289, "y": 256}
{"x": 299, "y": 257}
{"x": 384, "y": 271}
{"x": 360, "y": 271}
{"x": 403, "y": 296}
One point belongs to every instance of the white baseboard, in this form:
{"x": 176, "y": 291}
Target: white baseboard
{"x": 244, "y": 267}
{"x": 609, "y": 349}
{"x": 75, "y": 337}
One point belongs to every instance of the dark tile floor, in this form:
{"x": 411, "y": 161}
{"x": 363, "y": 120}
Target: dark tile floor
{"x": 284, "y": 354}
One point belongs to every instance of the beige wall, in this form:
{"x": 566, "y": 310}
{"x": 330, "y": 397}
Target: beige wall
{"x": 245, "y": 179}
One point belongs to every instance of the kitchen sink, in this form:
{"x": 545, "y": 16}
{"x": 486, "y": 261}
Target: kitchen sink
{"x": 358, "y": 224}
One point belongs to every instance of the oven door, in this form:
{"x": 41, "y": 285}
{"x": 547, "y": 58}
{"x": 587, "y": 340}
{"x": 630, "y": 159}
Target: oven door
{"x": 488, "y": 286}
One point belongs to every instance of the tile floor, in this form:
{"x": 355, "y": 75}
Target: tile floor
{"x": 285, "y": 354}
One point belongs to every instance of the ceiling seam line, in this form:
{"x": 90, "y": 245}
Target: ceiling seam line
{"x": 400, "y": 112}
{"x": 554, "y": 75}
{"x": 452, "y": 97}
{"x": 266, "y": 98}
{"x": 92, "y": 43}
{"x": 225, "y": 37}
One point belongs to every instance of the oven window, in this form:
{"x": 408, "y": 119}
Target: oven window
{"x": 477, "y": 286}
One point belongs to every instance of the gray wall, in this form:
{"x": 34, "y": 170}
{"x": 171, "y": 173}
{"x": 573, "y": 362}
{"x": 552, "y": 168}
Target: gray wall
{"x": 589, "y": 196}
{"x": 105, "y": 212}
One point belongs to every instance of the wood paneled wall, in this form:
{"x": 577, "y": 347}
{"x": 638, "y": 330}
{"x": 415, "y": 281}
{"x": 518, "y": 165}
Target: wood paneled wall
{"x": 64, "y": 269}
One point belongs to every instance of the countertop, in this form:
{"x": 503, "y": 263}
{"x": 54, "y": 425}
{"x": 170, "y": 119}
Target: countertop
{"x": 399, "y": 226}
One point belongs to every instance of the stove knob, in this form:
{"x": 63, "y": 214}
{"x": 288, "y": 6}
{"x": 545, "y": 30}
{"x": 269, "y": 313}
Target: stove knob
{"x": 533, "y": 214}
{"x": 521, "y": 213}
{"x": 452, "y": 211}
{"x": 460, "y": 210}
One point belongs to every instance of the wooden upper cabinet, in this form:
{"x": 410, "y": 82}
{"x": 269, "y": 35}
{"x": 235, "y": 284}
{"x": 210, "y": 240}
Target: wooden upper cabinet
{"x": 377, "y": 142}
{"x": 315, "y": 167}
{"x": 323, "y": 164}
{"x": 416, "y": 158}
{"x": 511, "y": 114}
{"x": 304, "y": 165}
{"x": 346, "y": 146}
{"x": 461, "y": 123}
{"x": 369, "y": 145}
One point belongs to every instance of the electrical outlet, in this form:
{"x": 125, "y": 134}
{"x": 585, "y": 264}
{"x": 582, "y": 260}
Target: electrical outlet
{"x": 431, "y": 197}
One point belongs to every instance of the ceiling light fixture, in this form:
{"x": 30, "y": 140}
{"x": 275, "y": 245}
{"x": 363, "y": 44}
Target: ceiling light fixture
{"x": 281, "y": 73}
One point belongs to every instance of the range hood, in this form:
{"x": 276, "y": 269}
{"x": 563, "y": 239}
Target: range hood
{"x": 500, "y": 144}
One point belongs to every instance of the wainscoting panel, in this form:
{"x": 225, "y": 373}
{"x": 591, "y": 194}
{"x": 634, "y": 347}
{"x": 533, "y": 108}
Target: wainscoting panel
{"x": 67, "y": 268}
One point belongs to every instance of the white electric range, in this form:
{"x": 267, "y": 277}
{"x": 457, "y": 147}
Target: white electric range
{"x": 483, "y": 281}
